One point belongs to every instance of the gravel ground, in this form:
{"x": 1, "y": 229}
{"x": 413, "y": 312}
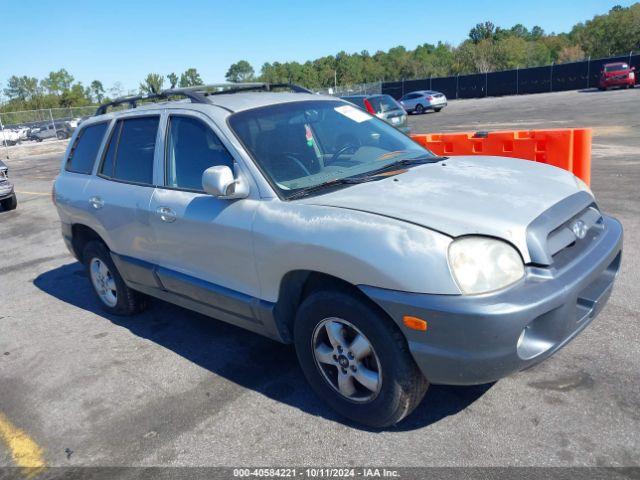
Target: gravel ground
{"x": 170, "y": 387}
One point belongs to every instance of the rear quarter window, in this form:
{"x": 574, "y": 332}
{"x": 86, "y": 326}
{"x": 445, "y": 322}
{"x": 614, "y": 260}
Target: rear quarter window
{"x": 85, "y": 149}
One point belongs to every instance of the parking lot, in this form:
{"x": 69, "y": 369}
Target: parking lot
{"x": 171, "y": 387}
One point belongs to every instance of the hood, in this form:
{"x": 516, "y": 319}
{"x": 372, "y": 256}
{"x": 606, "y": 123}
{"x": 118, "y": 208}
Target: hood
{"x": 484, "y": 195}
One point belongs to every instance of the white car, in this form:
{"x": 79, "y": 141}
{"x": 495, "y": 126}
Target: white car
{"x": 422, "y": 100}
{"x": 9, "y": 136}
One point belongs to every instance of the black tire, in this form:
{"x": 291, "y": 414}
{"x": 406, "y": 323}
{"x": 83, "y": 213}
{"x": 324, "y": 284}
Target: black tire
{"x": 10, "y": 203}
{"x": 437, "y": 109}
{"x": 419, "y": 109}
{"x": 61, "y": 135}
{"x": 129, "y": 302}
{"x": 402, "y": 384}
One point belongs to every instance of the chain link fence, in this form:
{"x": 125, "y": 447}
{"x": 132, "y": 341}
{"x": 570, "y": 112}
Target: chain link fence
{"x": 39, "y": 125}
{"x": 357, "y": 89}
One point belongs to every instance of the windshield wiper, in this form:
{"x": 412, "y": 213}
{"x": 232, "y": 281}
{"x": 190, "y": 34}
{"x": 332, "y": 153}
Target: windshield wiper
{"x": 303, "y": 192}
{"x": 407, "y": 162}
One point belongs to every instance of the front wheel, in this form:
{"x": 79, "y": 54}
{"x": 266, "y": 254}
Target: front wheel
{"x": 356, "y": 359}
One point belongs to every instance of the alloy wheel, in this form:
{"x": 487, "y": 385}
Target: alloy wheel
{"x": 103, "y": 282}
{"x": 346, "y": 359}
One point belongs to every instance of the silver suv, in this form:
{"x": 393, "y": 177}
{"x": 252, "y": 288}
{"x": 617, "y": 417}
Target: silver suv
{"x": 422, "y": 100}
{"x": 307, "y": 220}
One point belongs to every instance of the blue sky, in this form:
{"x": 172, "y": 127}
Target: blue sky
{"x": 122, "y": 41}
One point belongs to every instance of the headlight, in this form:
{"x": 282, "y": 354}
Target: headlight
{"x": 583, "y": 186}
{"x": 482, "y": 264}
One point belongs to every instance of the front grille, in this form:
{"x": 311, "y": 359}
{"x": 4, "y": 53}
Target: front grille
{"x": 554, "y": 231}
{"x": 572, "y": 238}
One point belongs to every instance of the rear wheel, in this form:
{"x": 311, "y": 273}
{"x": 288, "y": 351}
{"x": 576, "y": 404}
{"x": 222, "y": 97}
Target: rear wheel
{"x": 356, "y": 359}
{"x": 61, "y": 135}
{"x": 113, "y": 293}
{"x": 419, "y": 109}
{"x": 10, "y": 203}
{"x": 437, "y": 109}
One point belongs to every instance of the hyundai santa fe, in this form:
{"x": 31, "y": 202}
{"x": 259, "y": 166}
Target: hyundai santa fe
{"x": 306, "y": 219}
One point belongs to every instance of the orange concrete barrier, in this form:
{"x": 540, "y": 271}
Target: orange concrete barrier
{"x": 565, "y": 148}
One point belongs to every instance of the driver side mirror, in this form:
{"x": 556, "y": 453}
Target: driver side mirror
{"x": 220, "y": 182}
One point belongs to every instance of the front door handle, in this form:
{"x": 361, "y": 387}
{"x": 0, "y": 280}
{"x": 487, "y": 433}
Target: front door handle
{"x": 166, "y": 214}
{"x": 96, "y": 202}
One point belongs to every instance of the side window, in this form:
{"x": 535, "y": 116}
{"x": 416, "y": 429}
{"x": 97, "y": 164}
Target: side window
{"x": 85, "y": 149}
{"x": 192, "y": 147}
{"x": 130, "y": 152}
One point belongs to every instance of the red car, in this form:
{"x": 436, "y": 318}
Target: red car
{"x": 617, "y": 75}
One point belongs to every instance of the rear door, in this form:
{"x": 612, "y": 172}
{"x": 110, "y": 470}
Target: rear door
{"x": 205, "y": 244}
{"x": 119, "y": 195}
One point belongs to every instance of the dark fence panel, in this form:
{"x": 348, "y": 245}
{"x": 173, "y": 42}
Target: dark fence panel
{"x": 446, "y": 85}
{"x": 392, "y": 88}
{"x": 550, "y": 78}
{"x": 472, "y": 86}
{"x": 534, "y": 80}
{"x": 502, "y": 83}
{"x": 570, "y": 76}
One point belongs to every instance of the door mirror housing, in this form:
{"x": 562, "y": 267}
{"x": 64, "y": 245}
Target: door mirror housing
{"x": 220, "y": 182}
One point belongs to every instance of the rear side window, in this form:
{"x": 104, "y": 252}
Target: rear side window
{"x": 85, "y": 149}
{"x": 387, "y": 103}
{"x": 355, "y": 100}
{"x": 129, "y": 156}
{"x": 192, "y": 147}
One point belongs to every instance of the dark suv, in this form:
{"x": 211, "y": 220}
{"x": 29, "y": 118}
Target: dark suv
{"x": 384, "y": 107}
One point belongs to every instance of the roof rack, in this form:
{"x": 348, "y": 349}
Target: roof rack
{"x": 199, "y": 93}
{"x": 133, "y": 100}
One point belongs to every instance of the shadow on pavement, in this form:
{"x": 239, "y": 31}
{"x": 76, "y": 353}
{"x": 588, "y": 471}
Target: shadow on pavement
{"x": 240, "y": 356}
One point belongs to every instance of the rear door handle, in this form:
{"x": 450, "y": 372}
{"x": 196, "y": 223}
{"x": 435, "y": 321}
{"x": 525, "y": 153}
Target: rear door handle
{"x": 96, "y": 202}
{"x": 166, "y": 214}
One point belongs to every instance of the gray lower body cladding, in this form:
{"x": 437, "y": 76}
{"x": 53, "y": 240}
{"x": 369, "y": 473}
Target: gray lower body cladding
{"x": 480, "y": 338}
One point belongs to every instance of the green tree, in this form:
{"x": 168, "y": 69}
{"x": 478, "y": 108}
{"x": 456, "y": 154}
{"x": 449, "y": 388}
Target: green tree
{"x": 57, "y": 82}
{"x": 97, "y": 90}
{"x": 241, "y": 71}
{"x": 190, "y": 78}
{"x": 152, "y": 83}
{"x": 173, "y": 80}
{"x": 22, "y": 88}
{"x": 482, "y": 31}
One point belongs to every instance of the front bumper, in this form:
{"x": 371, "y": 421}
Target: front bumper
{"x": 6, "y": 189}
{"x": 478, "y": 339}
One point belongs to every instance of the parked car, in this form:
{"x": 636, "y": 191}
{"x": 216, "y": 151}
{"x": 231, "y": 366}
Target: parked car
{"x": 423, "y": 100}
{"x": 45, "y": 131}
{"x": 389, "y": 267}
{"x": 617, "y": 74}
{"x": 8, "y": 200}
{"x": 9, "y": 137}
{"x": 382, "y": 106}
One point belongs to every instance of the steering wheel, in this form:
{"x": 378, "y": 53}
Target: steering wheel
{"x": 344, "y": 149}
{"x": 297, "y": 162}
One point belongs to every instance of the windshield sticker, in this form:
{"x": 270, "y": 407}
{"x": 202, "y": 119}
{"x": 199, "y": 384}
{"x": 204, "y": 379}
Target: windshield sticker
{"x": 353, "y": 113}
{"x": 308, "y": 135}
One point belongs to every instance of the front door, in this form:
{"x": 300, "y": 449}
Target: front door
{"x": 204, "y": 244}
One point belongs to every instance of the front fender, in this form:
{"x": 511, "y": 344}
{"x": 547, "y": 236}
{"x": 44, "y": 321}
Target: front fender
{"x": 358, "y": 247}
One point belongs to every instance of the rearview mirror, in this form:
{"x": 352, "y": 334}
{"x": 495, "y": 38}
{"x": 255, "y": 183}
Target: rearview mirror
{"x": 220, "y": 182}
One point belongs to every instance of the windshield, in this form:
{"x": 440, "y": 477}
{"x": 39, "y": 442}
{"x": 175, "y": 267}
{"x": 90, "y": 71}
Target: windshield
{"x": 302, "y": 145}
{"x": 615, "y": 67}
